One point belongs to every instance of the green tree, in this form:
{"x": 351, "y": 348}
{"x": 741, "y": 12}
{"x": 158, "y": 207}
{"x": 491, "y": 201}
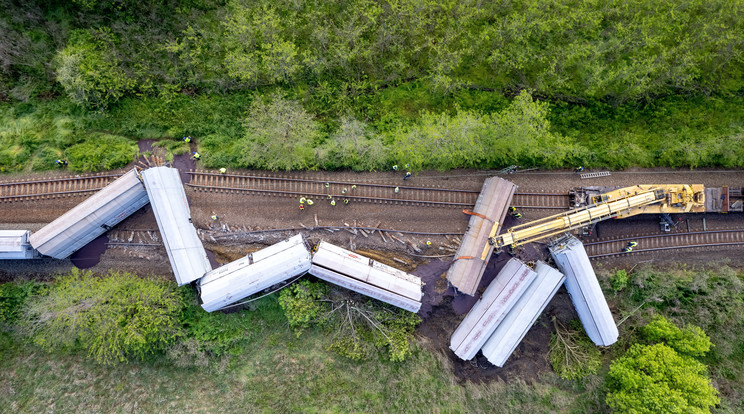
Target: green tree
{"x": 353, "y": 145}
{"x": 691, "y": 340}
{"x": 663, "y": 377}
{"x": 657, "y": 379}
{"x": 280, "y": 135}
{"x": 113, "y": 318}
{"x": 259, "y": 46}
{"x": 301, "y": 305}
{"x": 89, "y": 72}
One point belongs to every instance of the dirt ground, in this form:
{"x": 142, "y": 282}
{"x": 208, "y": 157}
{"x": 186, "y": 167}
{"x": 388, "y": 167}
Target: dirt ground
{"x": 241, "y": 216}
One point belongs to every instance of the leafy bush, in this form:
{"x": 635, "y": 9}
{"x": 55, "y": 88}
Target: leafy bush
{"x": 619, "y": 280}
{"x": 357, "y": 325}
{"x": 691, "y": 341}
{"x": 89, "y": 71}
{"x": 572, "y": 354}
{"x": 211, "y": 333}
{"x": 354, "y": 146}
{"x": 105, "y": 152}
{"x": 113, "y": 318}
{"x": 655, "y": 378}
{"x": 301, "y": 305}
{"x": 280, "y": 135}
{"x": 13, "y": 296}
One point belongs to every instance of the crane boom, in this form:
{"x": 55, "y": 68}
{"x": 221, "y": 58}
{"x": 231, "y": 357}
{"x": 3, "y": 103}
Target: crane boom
{"x": 549, "y": 226}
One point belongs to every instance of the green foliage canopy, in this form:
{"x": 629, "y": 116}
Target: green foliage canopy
{"x": 114, "y": 318}
{"x": 105, "y": 152}
{"x": 657, "y": 379}
{"x": 89, "y": 70}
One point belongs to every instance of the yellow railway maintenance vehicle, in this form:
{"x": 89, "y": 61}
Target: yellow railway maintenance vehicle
{"x": 619, "y": 203}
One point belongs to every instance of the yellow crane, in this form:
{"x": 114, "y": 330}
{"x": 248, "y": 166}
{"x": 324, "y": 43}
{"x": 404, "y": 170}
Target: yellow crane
{"x": 624, "y": 202}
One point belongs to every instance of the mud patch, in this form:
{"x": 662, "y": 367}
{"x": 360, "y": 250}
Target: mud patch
{"x": 463, "y": 303}
{"x": 145, "y": 145}
{"x": 212, "y": 259}
{"x": 436, "y": 287}
{"x": 90, "y": 254}
{"x": 184, "y": 164}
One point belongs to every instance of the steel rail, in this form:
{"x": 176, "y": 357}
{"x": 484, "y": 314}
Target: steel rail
{"x": 672, "y": 241}
{"x": 52, "y": 188}
{"x": 54, "y": 180}
{"x": 205, "y": 182}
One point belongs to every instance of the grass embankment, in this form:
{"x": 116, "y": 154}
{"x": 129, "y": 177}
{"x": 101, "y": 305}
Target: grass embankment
{"x": 261, "y": 365}
{"x": 468, "y": 129}
{"x": 244, "y": 361}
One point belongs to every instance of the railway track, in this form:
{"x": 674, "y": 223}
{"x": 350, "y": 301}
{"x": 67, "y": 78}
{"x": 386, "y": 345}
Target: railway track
{"x": 363, "y": 191}
{"x": 54, "y": 188}
{"x": 669, "y": 241}
{"x": 135, "y": 237}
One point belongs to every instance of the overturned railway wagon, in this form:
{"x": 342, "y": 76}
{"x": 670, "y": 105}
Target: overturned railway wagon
{"x": 366, "y": 276}
{"x": 486, "y": 221}
{"x": 14, "y": 245}
{"x": 523, "y": 315}
{"x": 186, "y": 253}
{"x": 498, "y": 299}
{"x": 91, "y": 218}
{"x": 586, "y": 294}
{"x": 254, "y": 273}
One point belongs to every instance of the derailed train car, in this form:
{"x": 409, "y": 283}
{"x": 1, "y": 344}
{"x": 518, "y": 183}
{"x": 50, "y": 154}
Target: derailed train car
{"x": 498, "y": 299}
{"x": 91, "y": 218}
{"x": 523, "y": 315}
{"x": 14, "y": 245}
{"x": 586, "y": 294}
{"x": 186, "y": 253}
{"x": 486, "y": 220}
{"x": 254, "y": 273}
{"x": 366, "y": 276}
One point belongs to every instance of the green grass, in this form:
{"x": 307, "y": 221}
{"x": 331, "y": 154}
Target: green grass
{"x": 269, "y": 369}
{"x": 671, "y": 132}
{"x": 279, "y": 373}
{"x": 258, "y": 364}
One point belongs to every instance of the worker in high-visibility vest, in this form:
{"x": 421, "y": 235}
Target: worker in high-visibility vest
{"x": 428, "y": 242}
{"x": 395, "y": 167}
{"x": 346, "y": 201}
{"x": 302, "y": 200}
{"x": 302, "y": 207}
{"x": 196, "y": 156}
{"x": 397, "y": 190}
{"x": 408, "y": 174}
{"x": 333, "y": 202}
{"x": 223, "y": 170}
{"x": 214, "y": 217}
{"x": 187, "y": 139}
